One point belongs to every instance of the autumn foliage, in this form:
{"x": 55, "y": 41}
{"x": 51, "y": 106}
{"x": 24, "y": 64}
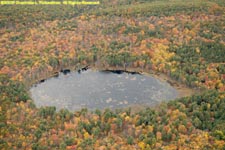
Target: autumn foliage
{"x": 183, "y": 40}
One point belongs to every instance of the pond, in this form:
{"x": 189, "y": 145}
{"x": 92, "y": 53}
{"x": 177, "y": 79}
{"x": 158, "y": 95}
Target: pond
{"x": 101, "y": 89}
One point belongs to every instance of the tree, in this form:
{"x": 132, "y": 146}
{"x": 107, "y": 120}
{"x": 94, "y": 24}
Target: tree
{"x": 47, "y": 111}
{"x": 130, "y": 140}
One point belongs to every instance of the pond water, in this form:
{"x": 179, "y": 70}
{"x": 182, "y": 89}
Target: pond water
{"x": 101, "y": 89}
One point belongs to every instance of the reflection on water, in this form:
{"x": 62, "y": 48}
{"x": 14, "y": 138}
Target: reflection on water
{"x": 99, "y": 90}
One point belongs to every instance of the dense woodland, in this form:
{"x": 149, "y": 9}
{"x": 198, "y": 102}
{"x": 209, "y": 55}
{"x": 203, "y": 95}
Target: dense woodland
{"x": 181, "y": 39}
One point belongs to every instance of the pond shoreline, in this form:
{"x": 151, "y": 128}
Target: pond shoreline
{"x": 134, "y": 97}
{"x": 182, "y": 89}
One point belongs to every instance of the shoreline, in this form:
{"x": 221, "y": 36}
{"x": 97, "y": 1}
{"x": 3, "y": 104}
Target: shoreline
{"x": 182, "y": 89}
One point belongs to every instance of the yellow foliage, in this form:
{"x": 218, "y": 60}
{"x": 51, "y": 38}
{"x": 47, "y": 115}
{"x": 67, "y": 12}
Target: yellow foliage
{"x": 161, "y": 55}
{"x": 175, "y": 31}
{"x": 23, "y": 144}
{"x": 222, "y": 96}
{"x": 127, "y": 118}
{"x": 197, "y": 50}
{"x": 186, "y": 31}
{"x": 192, "y": 33}
{"x": 171, "y": 18}
{"x": 219, "y": 144}
{"x": 182, "y": 129}
{"x": 72, "y": 54}
{"x": 173, "y": 69}
{"x": 86, "y": 135}
{"x": 208, "y": 105}
{"x": 82, "y": 17}
{"x": 150, "y": 128}
{"x": 141, "y": 145}
{"x": 170, "y": 147}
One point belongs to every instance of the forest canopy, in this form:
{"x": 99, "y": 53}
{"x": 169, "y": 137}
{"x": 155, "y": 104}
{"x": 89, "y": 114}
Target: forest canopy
{"x": 182, "y": 39}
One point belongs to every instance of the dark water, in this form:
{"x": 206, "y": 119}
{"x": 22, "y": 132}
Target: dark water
{"x": 99, "y": 90}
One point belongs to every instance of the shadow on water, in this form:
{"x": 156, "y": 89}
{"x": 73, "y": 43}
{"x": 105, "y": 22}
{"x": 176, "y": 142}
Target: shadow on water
{"x": 120, "y": 72}
{"x": 65, "y": 71}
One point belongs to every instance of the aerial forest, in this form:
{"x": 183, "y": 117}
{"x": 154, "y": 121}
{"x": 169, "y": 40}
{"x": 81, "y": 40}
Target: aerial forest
{"x": 181, "y": 39}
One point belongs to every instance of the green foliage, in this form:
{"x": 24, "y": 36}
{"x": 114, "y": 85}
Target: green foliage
{"x": 14, "y": 90}
{"x": 3, "y": 144}
{"x": 197, "y": 122}
{"x": 98, "y": 112}
{"x": 130, "y": 140}
{"x": 69, "y": 141}
{"x": 62, "y": 146}
{"x": 88, "y": 127}
{"x": 147, "y": 117}
{"x": 115, "y": 46}
{"x": 221, "y": 68}
{"x": 188, "y": 61}
{"x": 87, "y": 143}
{"x": 213, "y": 52}
{"x": 17, "y": 38}
{"x": 219, "y": 134}
{"x": 47, "y": 111}
{"x": 132, "y": 30}
{"x": 38, "y": 146}
{"x": 158, "y": 8}
{"x": 54, "y": 62}
{"x": 206, "y": 111}
{"x": 38, "y": 134}
{"x": 65, "y": 114}
{"x": 96, "y": 131}
{"x": 33, "y": 15}
{"x": 107, "y": 115}
{"x": 67, "y": 25}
